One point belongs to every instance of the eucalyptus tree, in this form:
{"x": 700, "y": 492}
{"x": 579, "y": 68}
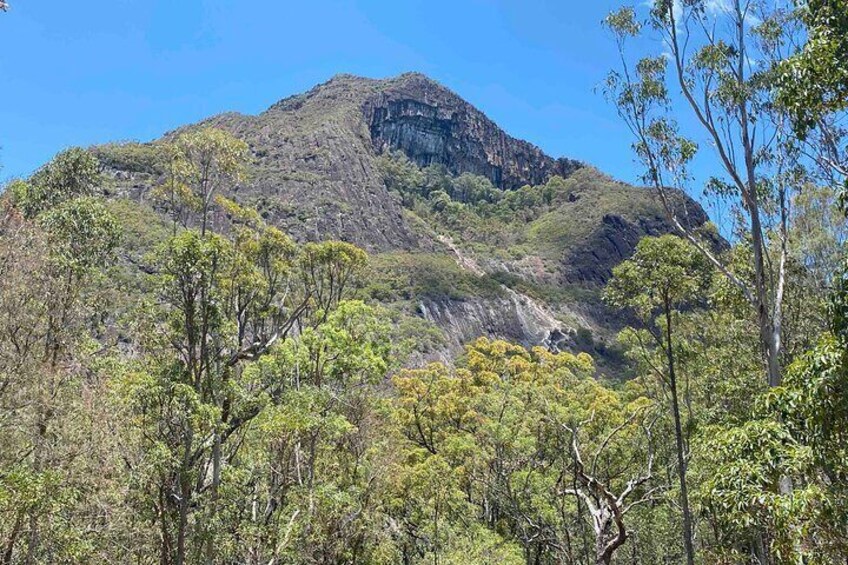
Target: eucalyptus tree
{"x": 313, "y": 475}
{"x": 797, "y": 430}
{"x": 200, "y": 164}
{"x": 715, "y": 67}
{"x": 224, "y": 302}
{"x": 665, "y": 275}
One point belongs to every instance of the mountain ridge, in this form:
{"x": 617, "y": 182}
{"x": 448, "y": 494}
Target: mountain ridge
{"x": 546, "y": 232}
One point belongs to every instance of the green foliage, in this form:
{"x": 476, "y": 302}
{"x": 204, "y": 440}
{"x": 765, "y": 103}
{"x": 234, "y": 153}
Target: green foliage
{"x": 785, "y": 470}
{"x": 143, "y": 229}
{"x": 82, "y": 231}
{"x": 623, "y": 22}
{"x": 400, "y": 174}
{"x": 221, "y": 358}
{"x": 664, "y": 272}
{"x": 559, "y": 217}
{"x": 814, "y": 81}
{"x": 820, "y": 231}
{"x": 317, "y": 394}
{"x": 139, "y": 158}
{"x": 493, "y": 432}
{"x": 412, "y": 183}
{"x": 311, "y": 445}
{"x": 414, "y": 276}
{"x": 72, "y": 173}
{"x": 56, "y": 239}
{"x": 60, "y": 197}
{"x": 208, "y": 155}
{"x": 199, "y": 164}
{"x": 329, "y": 269}
{"x": 547, "y": 293}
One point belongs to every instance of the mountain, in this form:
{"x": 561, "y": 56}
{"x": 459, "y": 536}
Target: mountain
{"x": 478, "y": 234}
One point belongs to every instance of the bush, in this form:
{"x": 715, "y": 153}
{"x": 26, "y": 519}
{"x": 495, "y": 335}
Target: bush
{"x": 131, "y": 157}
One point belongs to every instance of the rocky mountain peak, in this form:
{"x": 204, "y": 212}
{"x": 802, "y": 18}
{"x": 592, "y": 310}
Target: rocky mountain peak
{"x": 432, "y": 124}
{"x": 539, "y": 258}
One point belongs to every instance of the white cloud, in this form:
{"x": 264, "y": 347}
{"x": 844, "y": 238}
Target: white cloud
{"x": 716, "y": 7}
{"x": 727, "y": 8}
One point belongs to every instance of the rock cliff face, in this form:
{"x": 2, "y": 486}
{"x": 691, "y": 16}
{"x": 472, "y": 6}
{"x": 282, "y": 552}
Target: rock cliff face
{"x": 315, "y": 174}
{"x": 315, "y": 171}
{"x": 431, "y": 125}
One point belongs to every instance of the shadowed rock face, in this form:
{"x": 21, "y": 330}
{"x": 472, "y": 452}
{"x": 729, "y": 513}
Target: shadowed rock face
{"x": 431, "y": 125}
{"x": 613, "y": 242}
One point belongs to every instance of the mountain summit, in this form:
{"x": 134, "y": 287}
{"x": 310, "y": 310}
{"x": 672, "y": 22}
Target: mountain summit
{"x": 484, "y": 235}
{"x": 433, "y": 125}
{"x": 315, "y": 152}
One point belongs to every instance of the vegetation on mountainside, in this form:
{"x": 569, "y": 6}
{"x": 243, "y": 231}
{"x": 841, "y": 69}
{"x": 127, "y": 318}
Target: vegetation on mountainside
{"x": 414, "y": 276}
{"x": 181, "y": 382}
{"x": 541, "y": 241}
{"x": 548, "y": 220}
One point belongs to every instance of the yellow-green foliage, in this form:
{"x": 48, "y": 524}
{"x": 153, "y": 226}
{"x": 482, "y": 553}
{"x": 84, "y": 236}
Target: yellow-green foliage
{"x": 503, "y": 423}
{"x": 412, "y": 276}
{"x": 145, "y": 158}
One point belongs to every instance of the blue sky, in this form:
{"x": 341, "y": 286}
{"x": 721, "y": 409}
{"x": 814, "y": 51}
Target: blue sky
{"x": 77, "y": 73}
{"x": 80, "y": 73}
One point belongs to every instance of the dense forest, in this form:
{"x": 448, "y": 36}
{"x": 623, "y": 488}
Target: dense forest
{"x": 183, "y": 382}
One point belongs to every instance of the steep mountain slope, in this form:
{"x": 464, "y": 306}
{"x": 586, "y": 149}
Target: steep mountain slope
{"x": 525, "y": 261}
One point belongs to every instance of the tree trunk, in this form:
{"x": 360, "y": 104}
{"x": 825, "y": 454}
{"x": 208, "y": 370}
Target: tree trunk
{"x": 769, "y": 331}
{"x": 602, "y": 557}
{"x": 38, "y": 465}
{"x": 678, "y": 435}
{"x": 186, "y": 490}
{"x": 182, "y": 527}
{"x": 165, "y": 547}
{"x": 216, "y": 482}
{"x": 603, "y": 548}
{"x": 8, "y": 554}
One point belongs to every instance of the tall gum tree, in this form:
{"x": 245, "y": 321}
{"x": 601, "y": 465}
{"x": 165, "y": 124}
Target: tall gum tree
{"x": 715, "y": 69}
{"x": 225, "y": 301}
{"x": 664, "y": 276}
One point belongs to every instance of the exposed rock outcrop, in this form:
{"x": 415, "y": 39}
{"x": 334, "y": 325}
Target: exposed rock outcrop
{"x": 614, "y": 242}
{"x": 514, "y": 317}
{"x": 431, "y": 124}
